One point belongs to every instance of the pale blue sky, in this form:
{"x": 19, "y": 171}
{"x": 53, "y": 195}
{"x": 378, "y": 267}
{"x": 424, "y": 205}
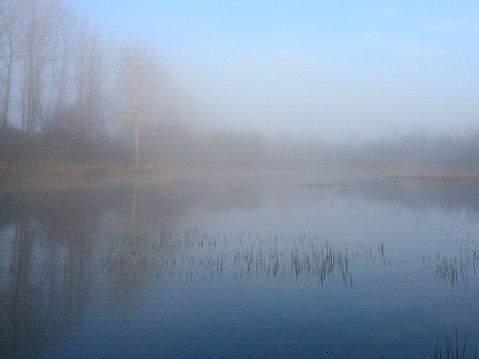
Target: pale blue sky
{"x": 335, "y": 70}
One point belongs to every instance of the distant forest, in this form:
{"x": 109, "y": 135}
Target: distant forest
{"x": 226, "y": 150}
{"x": 66, "y": 96}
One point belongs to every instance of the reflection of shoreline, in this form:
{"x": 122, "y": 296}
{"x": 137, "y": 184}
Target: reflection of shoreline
{"x": 225, "y": 190}
{"x": 55, "y": 184}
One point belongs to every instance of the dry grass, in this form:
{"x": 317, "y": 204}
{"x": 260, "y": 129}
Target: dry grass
{"x": 438, "y": 176}
{"x": 421, "y": 175}
{"x": 66, "y": 169}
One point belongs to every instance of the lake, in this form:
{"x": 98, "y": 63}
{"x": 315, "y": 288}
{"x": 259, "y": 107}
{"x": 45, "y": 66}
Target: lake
{"x": 238, "y": 264}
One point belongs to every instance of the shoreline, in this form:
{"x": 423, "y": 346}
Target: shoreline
{"x": 432, "y": 176}
{"x": 67, "y": 170}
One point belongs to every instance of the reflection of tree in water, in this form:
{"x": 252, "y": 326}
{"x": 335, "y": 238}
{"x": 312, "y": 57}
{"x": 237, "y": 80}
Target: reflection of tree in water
{"x": 50, "y": 241}
{"x": 16, "y": 304}
{"x": 123, "y": 255}
{"x": 457, "y": 267}
{"x": 193, "y": 255}
{"x": 44, "y": 285}
{"x": 46, "y": 268}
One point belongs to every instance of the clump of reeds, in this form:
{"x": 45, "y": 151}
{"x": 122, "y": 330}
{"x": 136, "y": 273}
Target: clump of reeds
{"x": 195, "y": 254}
{"x": 452, "y": 349}
{"x": 455, "y": 268}
{"x": 447, "y": 269}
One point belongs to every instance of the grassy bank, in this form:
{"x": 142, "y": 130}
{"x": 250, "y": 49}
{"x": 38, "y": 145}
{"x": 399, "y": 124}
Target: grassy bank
{"x": 69, "y": 170}
{"x": 66, "y": 169}
{"x": 439, "y": 176}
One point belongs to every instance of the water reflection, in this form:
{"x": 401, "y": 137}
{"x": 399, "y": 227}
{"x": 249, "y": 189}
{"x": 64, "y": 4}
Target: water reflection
{"x": 46, "y": 276}
{"x": 413, "y": 194}
{"x": 66, "y": 251}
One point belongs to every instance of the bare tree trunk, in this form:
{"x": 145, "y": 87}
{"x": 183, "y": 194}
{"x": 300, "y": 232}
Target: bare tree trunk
{"x": 89, "y": 81}
{"x": 140, "y": 73}
{"x": 64, "y": 45}
{"x": 137, "y": 146}
{"x": 8, "y": 90}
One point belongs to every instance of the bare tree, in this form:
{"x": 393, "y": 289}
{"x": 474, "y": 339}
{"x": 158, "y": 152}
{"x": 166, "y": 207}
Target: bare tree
{"x": 37, "y": 54}
{"x": 140, "y": 73}
{"x": 90, "y": 81}
{"x": 65, "y": 37}
{"x": 11, "y": 41}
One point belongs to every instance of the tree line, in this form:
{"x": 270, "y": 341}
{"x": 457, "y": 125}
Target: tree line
{"x": 443, "y": 152}
{"x": 62, "y": 90}
{"x": 66, "y": 96}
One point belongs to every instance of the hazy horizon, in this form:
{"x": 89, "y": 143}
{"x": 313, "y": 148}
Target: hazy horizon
{"x": 336, "y": 71}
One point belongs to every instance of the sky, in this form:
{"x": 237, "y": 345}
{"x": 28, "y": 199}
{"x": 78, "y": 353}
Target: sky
{"x": 334, "y": 70}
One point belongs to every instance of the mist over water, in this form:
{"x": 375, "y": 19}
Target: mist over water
{"x": 247, "y": 179}
{"x": 232, "y": 264}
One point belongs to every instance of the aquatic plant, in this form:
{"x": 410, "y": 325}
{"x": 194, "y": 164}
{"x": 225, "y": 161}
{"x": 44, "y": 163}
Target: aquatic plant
{"x": 452, "y": 349}
{"x": 456, "y": 267}
{"x": 195, "y": 255}
{"x": 446, "y": 268}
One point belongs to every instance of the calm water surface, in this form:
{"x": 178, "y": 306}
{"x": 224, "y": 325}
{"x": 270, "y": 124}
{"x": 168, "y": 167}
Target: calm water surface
{"x": 229, "y": 264}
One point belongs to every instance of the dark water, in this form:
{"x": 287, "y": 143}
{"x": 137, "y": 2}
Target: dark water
{"x": 225, "y": 264}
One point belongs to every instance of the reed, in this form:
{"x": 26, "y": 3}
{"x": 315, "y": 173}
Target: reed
{"x": 447, "y": 269}
{"x": 452, "y": 349}
{"x": 456, "y": 268}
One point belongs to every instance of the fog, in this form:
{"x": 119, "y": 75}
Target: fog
{"x": 310, "y": 86}
{"x": 337, "y": 71}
